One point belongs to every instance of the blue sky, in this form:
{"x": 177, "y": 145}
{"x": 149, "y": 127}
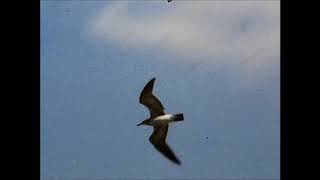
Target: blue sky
{"x": 216, "y": 62}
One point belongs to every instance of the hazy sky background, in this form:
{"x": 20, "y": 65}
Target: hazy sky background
{"x": 216, "y": 62}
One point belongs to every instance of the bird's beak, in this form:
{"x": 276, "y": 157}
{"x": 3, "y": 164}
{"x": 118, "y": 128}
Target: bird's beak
{"x": 139, "y": 124}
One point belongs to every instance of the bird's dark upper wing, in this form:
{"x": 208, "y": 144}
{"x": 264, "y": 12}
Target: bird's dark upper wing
{"x": 158, "y": 139}
{"x": 150, "y": 101}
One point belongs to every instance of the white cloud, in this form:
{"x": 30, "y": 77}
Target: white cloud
{"x": 226, "y": 32}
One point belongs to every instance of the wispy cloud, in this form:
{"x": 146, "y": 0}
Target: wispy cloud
{"x": 229, "y": 32}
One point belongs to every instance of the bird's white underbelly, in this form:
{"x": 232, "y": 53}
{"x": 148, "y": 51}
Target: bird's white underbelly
{"x": 164, "y": 117}
{"x": 162, "y": 120}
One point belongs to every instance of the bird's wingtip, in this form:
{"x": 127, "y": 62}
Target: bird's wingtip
{"x": 178, "y": 163}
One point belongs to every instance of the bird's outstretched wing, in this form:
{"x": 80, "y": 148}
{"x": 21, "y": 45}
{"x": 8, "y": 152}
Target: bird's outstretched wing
{"x": 150, "y": 101}
{"x": 158, "y": 139}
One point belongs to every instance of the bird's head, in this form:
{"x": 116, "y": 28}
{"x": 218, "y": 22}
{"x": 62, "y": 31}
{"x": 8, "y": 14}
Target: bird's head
{"x": 145, "y": 122}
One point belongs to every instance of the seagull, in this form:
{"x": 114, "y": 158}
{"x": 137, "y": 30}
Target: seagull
{"x": 159, "y": 120}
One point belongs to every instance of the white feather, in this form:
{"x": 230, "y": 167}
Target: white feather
{"x": 164, "y": 117}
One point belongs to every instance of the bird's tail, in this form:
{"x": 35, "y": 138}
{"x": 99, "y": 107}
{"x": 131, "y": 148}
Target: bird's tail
{"x": 178, "y": 117}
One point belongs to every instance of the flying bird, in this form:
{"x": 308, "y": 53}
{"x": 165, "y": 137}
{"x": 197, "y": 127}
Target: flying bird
{"x": 159, "y": 120}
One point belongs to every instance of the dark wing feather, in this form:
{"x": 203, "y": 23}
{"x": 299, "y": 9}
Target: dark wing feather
{"x": 158, "y": 139}
{"x": 150, "y": 101}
